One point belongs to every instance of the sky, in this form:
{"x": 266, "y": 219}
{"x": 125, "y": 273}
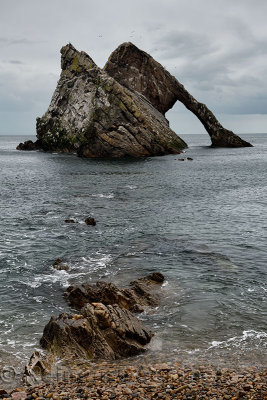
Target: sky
{"x": 216, "y": 48}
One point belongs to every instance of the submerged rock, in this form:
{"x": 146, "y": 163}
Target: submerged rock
{"x": 90, "y": 221}
{"x": 61, "y": 267}
{"x": 141, "y": 293}
{"x": 95, "y": 116}
{"x": 100, "y": 332}
{"x": 137, "y": 70}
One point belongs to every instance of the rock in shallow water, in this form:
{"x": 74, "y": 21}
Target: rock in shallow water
{"x": 140, "y": 294}
{"x": 90, "y": 221}
{"x": 100, "y": 332}
{"x": 28, "y": 145}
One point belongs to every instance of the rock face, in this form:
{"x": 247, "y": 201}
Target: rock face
{"x": 100, "y": 332}
{"x": 92, "y": 114}
{"x": 137, "y": 70}
{"x": 140, "y": 294}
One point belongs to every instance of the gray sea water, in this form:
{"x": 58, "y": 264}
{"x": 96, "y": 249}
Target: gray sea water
{"x": 202, "y": 223}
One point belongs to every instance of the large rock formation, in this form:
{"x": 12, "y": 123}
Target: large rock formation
{"x": 99, "y": 332}
{"x": 118, "y": 111}
{"x": 137, "y": 70}
{"x": 142, "y": 292}
{"x": 92, "y": 114}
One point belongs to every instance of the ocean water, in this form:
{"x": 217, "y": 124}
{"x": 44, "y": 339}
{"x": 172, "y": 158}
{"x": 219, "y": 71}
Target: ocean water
{"x": 202, "y": 223}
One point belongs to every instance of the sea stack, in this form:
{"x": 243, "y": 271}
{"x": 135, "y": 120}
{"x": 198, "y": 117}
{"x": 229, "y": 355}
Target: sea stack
{"x": 119, "y": 111}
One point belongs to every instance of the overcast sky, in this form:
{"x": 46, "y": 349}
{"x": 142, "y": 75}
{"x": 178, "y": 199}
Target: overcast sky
{"x": 216, "y": 48}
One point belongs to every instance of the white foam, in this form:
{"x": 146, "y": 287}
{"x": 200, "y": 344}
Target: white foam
{"x": 131, "y": 187}
{"x": 240, "y": 341}
{"x": 105, "y": 196}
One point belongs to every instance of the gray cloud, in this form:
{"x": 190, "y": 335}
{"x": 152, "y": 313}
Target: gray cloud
{"x": 12, "y": 41}
{"x": 184, "y": 44}
{"x": 227, "y": 72}
{"x": 18, "y": 62}
{"x": 217, "y": 49}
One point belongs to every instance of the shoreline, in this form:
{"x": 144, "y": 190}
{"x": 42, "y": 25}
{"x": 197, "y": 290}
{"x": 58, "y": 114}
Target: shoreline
{"x": 166, "y": 380}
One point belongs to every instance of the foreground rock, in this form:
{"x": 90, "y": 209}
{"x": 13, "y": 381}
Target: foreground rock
{"x": 93, "y": 115}
{"x": 39, "y": 365}
{"x": 99, "y": 332}
{"x": 137, "y": 70}
{"x": 140, "y": 294}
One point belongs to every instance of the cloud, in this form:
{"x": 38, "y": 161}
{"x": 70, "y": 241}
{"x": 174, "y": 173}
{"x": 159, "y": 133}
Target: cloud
{"x": 217, "y": 49}
{"x": 226, "y": 71}
{"x": 12, "y": 41}
{"x": 17, "y": 62}
{"x": 185, "y": 44}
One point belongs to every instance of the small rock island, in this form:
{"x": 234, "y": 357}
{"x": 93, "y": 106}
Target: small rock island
{"x": 119, "y": 111}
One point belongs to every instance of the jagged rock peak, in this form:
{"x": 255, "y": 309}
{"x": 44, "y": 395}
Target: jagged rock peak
{"x": 135, "y": 69}
{"x": 75, "y": 60}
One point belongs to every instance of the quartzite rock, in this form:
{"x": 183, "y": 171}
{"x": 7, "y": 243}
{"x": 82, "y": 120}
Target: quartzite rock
{"x": 137, "y": 70}
{"x": 100, "y": 332}
{"x": 38, "y": 366}
{"x": 141, "y": 293}
{"x": 92, "y": 114}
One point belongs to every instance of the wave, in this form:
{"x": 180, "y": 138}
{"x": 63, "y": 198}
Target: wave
{"x": 258, "y": 339}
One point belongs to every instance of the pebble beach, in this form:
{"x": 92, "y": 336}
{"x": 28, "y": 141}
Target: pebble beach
{"x": 168, "y": 381}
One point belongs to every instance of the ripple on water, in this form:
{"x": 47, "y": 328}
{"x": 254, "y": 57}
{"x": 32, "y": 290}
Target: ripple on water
{"x": 203, "y": 224}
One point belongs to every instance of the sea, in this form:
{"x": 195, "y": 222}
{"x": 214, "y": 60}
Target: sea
{"x": 200, "y": 222}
